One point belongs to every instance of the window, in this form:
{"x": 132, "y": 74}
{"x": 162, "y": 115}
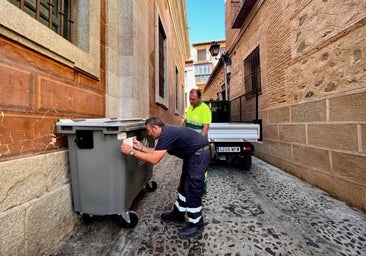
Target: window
{"x": 55, "y": 14}
{"x": 252, "y": 73}
{"x": 161, "y": 87}
{"x": 162, "y": 38}
{"x": 177, "y": 91}
{"x": 83, "y": 53}
{"x": 202, "y": 72}
{"x": 201, "y": 55}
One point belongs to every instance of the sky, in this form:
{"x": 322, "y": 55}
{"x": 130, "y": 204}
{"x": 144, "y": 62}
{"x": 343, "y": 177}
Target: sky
{"x": 206, "y": 20}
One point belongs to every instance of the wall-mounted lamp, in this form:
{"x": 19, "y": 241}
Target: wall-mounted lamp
{"x": 214, "y": 51}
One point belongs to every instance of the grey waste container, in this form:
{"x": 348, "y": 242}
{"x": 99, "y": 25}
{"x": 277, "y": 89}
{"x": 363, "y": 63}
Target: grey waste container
{"x": 105, "y": 181}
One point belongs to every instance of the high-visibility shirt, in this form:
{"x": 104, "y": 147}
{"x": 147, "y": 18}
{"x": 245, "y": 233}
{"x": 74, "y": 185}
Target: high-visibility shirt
{"x": 198, "y": 116}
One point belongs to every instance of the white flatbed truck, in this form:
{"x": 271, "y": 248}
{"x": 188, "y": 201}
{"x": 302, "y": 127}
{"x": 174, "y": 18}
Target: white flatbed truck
{"x": 231, "y": 141}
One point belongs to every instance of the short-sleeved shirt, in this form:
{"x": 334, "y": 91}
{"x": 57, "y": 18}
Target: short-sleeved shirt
{"x": 198, "y": 116}
{"x": 180, "y": 141}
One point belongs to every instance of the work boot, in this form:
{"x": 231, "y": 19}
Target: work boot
{"x": 173, "y": 217}
{"x": 191, "y": 230}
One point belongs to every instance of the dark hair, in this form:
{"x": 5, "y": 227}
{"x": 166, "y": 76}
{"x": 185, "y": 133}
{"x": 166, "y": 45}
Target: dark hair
{"x": 197, "y": 91}
{"x": 154, "y": 121}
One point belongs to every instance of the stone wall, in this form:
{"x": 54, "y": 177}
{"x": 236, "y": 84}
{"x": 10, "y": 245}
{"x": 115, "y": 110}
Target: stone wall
{"x": 38, "y": 87}
{"x": 127, "y": 59}
{"x": 313, "y": 96}
{"x": 35, "y": 204}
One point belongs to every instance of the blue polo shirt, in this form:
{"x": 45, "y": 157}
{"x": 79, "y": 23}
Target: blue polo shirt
{"x": 180, "y": 141}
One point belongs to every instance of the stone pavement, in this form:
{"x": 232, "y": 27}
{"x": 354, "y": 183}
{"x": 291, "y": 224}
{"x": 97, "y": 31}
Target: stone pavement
{"x": 264, "y": 211}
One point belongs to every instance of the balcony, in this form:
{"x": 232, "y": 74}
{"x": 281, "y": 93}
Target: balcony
{"x": 240, "y": 11}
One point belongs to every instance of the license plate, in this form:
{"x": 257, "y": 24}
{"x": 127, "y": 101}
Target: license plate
{"x": 228, "y": 149}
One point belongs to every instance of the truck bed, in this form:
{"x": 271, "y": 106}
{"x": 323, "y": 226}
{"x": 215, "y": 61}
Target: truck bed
{"x": 233, "y": 132}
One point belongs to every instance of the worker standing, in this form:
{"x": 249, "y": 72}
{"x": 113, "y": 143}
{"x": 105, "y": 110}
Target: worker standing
{"x": 198, "y": 117}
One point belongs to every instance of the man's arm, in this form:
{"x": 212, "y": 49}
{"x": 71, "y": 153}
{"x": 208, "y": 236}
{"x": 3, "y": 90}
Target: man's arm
{"x": 205, "y": 128}
{"x": 153, "y": 156}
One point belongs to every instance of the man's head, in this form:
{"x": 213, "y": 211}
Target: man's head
{"x": 154, "y": 126}
{"x": 194, "y": 97}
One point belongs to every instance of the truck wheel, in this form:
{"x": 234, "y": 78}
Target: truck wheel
{"x": 245, "y": 163}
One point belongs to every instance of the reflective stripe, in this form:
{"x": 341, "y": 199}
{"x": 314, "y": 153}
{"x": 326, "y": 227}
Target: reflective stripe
{"x": 194, "y": 221}
{"x": 180, "y": 208}
{"x": 194, "y": 210}
{"x": 192, "y": 124}
{"x": 181, "y": 197}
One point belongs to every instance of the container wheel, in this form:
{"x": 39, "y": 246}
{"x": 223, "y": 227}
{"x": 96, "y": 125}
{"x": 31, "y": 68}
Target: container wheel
{"x": 151, "y": 186}
{"x": 245, "y": 163}
{"x": 86, "y": 218}
{"x": 128, "y": 219}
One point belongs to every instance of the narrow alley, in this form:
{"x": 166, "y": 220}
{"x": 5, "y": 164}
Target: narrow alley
{"x": 261, "y": 212}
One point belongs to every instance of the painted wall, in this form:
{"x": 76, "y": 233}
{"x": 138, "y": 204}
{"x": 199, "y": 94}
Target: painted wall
{"x": 109, "y": 72}
{"x": 177, "y": 52}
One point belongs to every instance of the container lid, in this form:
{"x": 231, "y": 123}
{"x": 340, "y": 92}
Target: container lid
{"x": 108, "y": 125}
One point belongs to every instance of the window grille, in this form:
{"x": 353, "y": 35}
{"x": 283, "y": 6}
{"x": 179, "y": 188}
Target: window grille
{"x": 252, "y": 73}
{"x": 55, "y": 14}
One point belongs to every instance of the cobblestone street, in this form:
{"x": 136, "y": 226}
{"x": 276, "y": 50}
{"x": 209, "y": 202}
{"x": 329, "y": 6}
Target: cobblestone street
{"x": 261, "y": 212}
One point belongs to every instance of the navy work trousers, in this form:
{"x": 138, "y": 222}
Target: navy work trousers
{"x": 191, "y": 187}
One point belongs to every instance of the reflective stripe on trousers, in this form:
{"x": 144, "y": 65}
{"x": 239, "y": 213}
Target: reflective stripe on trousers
{"x": 180, "y": 204}
{"x": 191, "y": 186}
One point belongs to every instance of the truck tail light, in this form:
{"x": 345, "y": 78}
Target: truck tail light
{"x": 248, "y": 148}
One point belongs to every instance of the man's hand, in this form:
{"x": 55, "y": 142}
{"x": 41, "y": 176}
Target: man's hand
{"x": 125, "y": 148}
{"x": 137, "y": 145}
{"x": 152, "y": 156}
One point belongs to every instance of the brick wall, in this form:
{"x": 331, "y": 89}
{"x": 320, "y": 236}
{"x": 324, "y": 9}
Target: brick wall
{"x": 210, "y": 91}
{"x": 313, "y": 97}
